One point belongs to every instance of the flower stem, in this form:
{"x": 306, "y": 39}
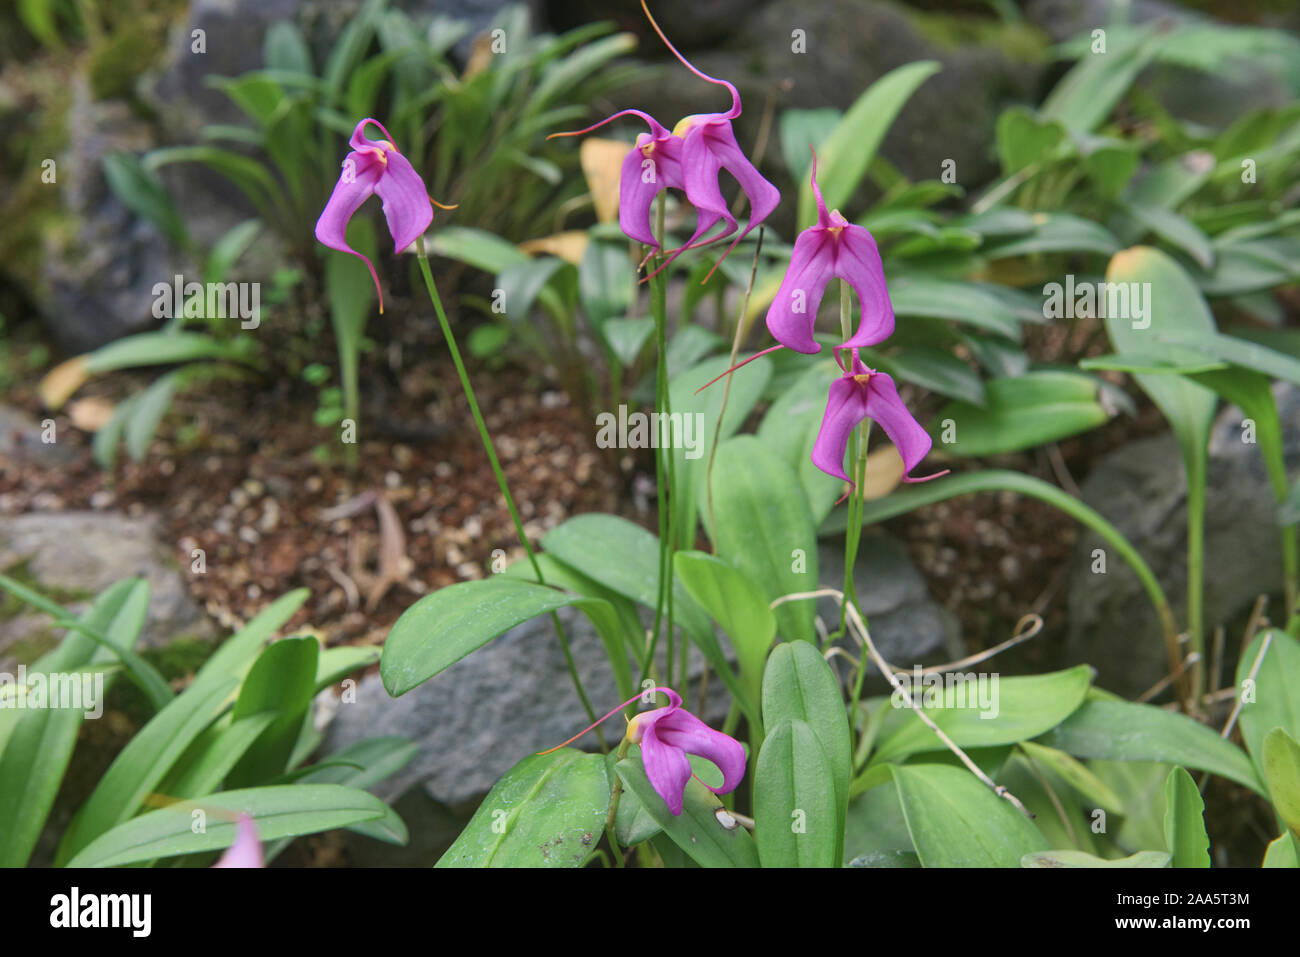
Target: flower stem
{"x": 664, "y": 470}
{"x": 615, "y": 794}
{"x": 501, "y": 477}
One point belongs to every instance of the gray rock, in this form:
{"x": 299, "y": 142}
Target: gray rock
{"x": 21, "y": 439}
{"x": 487, "y": 712}
{"x": 82, "y": 553}
{"x": 97, "y": 277}
{"x": 1142, "y": 490}
{"x": 907, "y": 625}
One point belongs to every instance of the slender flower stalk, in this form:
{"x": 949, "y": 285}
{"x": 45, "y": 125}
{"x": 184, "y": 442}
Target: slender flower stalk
{"x": 486, "y": 436}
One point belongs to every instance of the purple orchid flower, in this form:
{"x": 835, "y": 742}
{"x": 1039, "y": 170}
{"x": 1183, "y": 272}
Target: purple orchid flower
{"x": 247, "y": 849}
{"x": 833, "y": 248}
{"x": 375, "y": 167}
{"x": 666, "y": 736}
{"x": 865, "y": 393}
{"x": 691, "y": 159}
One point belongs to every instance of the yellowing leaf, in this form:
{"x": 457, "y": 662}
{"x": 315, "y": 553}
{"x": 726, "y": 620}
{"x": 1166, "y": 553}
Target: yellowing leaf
{"x": 91, "y": 414}
{"x": 884, "y": 472}
{"x": 602, "y": 164}
{"x": 57, "y": 385}
{"x": 569, "y": 246}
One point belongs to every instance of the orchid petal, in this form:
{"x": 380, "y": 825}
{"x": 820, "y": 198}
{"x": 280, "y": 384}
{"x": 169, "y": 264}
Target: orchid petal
{"x": 636, "y": 196}
{"x": 247, "y": 849}
{"x": 887, "y": 409}
{"x": 763, "y": 196}
{"x": 666, "y": 767}
{"x": 700, "y": 169}
{"x": 857, "y": 262}
{"x": 793, "y": 312}
{"x": 406, "y": 201}
{"x": 361, "y": 174}
{"x": 846, "y": 406}
{"x": 683, "y": 730}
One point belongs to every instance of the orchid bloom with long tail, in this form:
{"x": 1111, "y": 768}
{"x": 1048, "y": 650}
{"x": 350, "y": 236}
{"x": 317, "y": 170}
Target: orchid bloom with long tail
{"x": 833, "y": 248}
{"x": 375, "y": 167}
{"x": 859, "y": 394}
{"x": 666, "y": 736}
{"x": 689, "y": 158}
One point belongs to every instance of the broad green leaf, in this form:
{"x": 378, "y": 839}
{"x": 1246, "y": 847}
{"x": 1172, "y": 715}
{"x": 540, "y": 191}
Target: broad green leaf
{"x": 627, "y": 337}
{"x": 159, "y": 348}
{"x": 1087, "y": 94}
{"x": 1057, "y": 233}
{"x": 623, "y": 557}
{"x": 801, "y": 131}
{"x": 547, "y": 811}
{"x": 737, "y": 606}
{"x": 981, "y": 713}
{"x": 1281, "y": 767}
{"x": 1282, "y": 852}
{"x": 236, "y": 654}
{"x": 280, "y": 811}
{"x": 335, "y": 664}
{"x": 797, "y": 823}
{"x": 799, "y": 685}
{"x": 979, "y": 304}
{"x": 1071, "y": 858}
{"x": 763, "y": 527}
{"x": 1024, "y": 138}
{"x": 145, "y": 760}
{"x": 701, "y": 413}
{"x": 147, "y": 414}
{"x": 1076, "y": 774}
{"x": 142, "y": 192}
{"x": 442, "y": 628}
{"x": 1124, "y": 731}
{"x": 477, "y": 248}
{"x": 932, "y": 368}
{"x": 283, "y": 679}
{"x": 1272, "y": 700}
{"x": 40, "y": 746}
{"x": 1177, "y": 231}
{"x": 212, "y": 755}
{"x": 844, "y": 156}
{"x": 1240, "y": 352}
{"x": 606, "y": 281}
{"x": 955, "y": 821}
{"x": 1185, "y": 821}
{"x": 1020, "y": 413}
{"x": 707, "y": 838}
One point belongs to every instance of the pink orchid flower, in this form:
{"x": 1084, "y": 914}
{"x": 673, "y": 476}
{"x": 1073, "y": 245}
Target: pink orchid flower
{"x": 859, "y": 394}
{"x": 375, "y": 167}
{"x": 247, "y": 849}
{"x": 691, "y": 159}
{"x": 833, "y": 248}
{"x": 666, "y": 736}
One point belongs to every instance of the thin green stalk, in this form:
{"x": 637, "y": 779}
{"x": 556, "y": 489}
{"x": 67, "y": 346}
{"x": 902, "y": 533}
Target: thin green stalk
{"x": 616, "y": 792}
{"x": 501, "y": 478}
{"x": 664, "y": 459}
{"x": 1196, "y": 481}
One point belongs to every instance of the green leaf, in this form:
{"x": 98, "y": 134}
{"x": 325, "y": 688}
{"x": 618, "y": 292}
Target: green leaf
{"x": 1123, "y": 731}
{"x": 160, "y": 348}
{"x": 1281, "y": 767}
{"x": 698, "y": 830}
{"x": 40, "y": 746}
{"x": 1185, "y": 821}
{"x": 144, "y": 194}
{"x": 442, "y": 628}
{"x": 795, "y": 813}
{"x": 283, "y": 680}
{"x": 606, "y": 281}
{"x": 955, "y": 821}
{"x": 1240, "y": 352}
{"x": 1087, "y": 94}
{"x": 763, "y": 527}
{"x": 235, "y": 655}
{"x": 1058, "y": 233}
{"x": 1024, "y": 138}
{"x": 1076, "y": 774}
{"x": 1022, "y": 412}
{"x": 145, "y": 760}
{"x": 789, "y": 430}
{"x": 547, "y": 811}
{"x": 932, "y": 368}
{"x": 702, "y": 410}
{"x": 627, "y": 337}
{"x": 1071, "y": 858}
{"x": 280, "y": 811}
{"x": 1177, "y": 231}
{"x": 801, "y": 131}
{"x": 1015, "y": 709}
{"x": 799, "y": 686}
{"x": 997, "y": 309}
{"x": 1273, "y": 700}
{"x": 283, "y": 48}
{"x": 1282, "y": 852}
{"x": 844, "y": 156}
{"x": 737, "y": 606}
{"x": 476, "y": 247}
{"x": 215, "y": 752}
{"x": 148, "y": 413}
